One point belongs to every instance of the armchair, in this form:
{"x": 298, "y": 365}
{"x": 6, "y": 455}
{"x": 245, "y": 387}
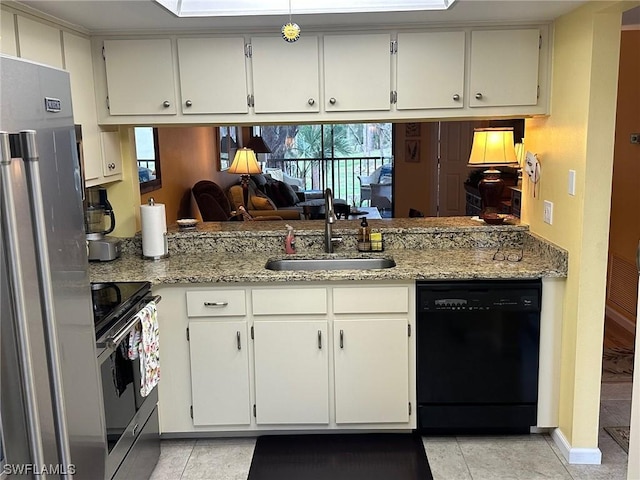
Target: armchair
{"x": 381, "y": 195}
{"x": 381, "y": 174}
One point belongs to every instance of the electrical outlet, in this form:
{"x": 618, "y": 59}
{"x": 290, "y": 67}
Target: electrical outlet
{"x": 548, "y": 212}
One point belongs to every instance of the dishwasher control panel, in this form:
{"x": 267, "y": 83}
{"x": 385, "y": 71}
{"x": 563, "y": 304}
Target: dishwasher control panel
{"x": 479, "y": 296}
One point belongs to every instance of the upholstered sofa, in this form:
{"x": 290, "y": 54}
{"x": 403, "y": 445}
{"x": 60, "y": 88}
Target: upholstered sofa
{"x": 268, "y": 196}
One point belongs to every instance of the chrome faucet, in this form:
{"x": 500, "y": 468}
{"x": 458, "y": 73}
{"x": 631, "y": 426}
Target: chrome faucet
{"x": 330, "y": 218}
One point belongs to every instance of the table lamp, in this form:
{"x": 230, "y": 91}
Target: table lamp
{"x": 492, "y": 148}
{"x": 245, "y": 164}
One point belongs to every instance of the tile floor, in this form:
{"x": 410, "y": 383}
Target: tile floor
{"x": 451, "y": 458}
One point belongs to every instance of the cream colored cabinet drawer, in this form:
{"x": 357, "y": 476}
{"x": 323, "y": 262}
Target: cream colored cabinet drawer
{"x": 289, "y": 301}
{"x": 381, "y": 299}
{"x": 216, "y": 303}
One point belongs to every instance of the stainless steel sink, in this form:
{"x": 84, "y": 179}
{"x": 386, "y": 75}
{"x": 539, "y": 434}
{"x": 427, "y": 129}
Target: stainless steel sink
{"x": 329, "y": 263}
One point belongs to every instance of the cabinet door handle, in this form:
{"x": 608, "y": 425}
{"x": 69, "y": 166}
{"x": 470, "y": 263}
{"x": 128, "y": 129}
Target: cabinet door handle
{"x": 319, "y": 339}
{"x": 216, "y": 304}
{"x": 188, "y": 103}
{"x": 166, "y": 104}
{"x": 311, "y": 101}
{"x": 478, "y": 96}
{"x": 332, "y": 101}
{"x": 456, "y": 97}
{"x": 112, "y": 166}
{"x": 238, "y": 340}
{"x": 341, "y": 338}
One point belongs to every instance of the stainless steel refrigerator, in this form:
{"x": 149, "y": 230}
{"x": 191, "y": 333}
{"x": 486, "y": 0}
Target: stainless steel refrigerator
{"x": 50, "y": 396}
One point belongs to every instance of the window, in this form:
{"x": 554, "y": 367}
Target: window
{"x": 228, "y": 145}
{"x": 146, "y": 142}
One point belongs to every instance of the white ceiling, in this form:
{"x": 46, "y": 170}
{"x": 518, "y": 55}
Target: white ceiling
{"x": 144, "y": 16}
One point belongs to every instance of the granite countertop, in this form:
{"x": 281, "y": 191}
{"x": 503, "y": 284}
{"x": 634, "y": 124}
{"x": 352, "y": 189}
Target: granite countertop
{"x": 430, "y": 248}
{"x": 411, "y": 265}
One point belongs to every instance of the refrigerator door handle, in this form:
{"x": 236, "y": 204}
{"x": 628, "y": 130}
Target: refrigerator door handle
{"x": 16, "y": 285}
{"x": 31, "y": 161}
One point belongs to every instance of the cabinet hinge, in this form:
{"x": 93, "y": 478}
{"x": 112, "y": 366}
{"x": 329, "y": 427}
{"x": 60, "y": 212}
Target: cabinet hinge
{"x": 540, "y": 42}
{"x": 250, "y": 100}
{"x": 538, "y": 93}
{"x": 409, "y": 329}
{"x": 409, "y": 408}
{"x": 191, "y": 411}
{"x": 254, "y": 409}
{"x": 108, "y": 105}
{"x": 394, "y": 47}
{"x": 188, "y": 339}
{"x": 252, "y": 332}
{"x": 248, "y": 50}
{"x": 104, "y": 57}
{"x": 393, "y": 97}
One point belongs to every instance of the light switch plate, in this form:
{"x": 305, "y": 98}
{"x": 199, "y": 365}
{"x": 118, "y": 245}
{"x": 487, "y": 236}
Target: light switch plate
{"x": 572, "y": 182}
{"x": 547, "y": 215}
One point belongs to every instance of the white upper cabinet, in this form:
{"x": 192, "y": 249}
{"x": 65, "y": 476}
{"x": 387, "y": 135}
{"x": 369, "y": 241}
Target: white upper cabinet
{"x": 357, "y": 72}
{"x": 504, "y": 67}
{"x": 213, "y": 75}
{"x": 430, "y": 70}
{"x": 7, "y": 34}
{"x": 285, "y": 75}
{"x": 140, "y": 77}
{"x": 39, "y": 42}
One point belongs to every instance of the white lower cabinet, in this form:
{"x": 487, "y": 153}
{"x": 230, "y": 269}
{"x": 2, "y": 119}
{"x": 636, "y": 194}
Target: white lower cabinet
{"x": 291, "y": 372}
{"x": 303, "y": 356}
{"x": 371, "y": 371}
{"x": 220, "y": 372}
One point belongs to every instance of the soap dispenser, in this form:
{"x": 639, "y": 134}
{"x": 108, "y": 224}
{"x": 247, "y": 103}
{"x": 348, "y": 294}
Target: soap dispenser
{"x": 364, "y": 236}
{"x": 290, "y": 240}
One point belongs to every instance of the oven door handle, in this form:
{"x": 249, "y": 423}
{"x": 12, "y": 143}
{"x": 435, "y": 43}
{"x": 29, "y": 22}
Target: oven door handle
{"x": 113, "y": 341}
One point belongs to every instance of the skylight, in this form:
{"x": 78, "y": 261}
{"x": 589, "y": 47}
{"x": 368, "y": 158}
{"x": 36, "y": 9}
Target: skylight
{"x": 220, "y": 8}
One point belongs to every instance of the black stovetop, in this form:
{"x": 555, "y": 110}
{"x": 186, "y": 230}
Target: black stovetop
{"x": 114, "y": 300}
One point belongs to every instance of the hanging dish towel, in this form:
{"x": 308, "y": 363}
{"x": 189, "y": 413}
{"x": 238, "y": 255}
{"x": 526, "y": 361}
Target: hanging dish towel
{"x": 144, "y": 343}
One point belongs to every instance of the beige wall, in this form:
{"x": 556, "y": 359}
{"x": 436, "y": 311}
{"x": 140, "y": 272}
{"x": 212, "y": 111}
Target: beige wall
{"x": 579, "y": 136}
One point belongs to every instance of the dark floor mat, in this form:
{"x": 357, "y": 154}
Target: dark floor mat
{"x": 379, "y": 456}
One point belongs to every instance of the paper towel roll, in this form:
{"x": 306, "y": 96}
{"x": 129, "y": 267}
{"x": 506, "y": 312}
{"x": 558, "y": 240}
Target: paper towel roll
{"x": 154, "y": 230}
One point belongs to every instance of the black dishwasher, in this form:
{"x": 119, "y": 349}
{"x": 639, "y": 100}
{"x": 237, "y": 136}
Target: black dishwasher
{"x": 477, "y": 355}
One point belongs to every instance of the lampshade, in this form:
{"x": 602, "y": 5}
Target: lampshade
{"x": 257, "y": 145}
{"x": 493, "y": 147}
{"x": 245, "y": 162}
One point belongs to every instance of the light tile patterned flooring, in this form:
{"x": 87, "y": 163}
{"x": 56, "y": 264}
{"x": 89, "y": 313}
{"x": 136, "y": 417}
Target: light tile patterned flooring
{"x": 451, "y": 458}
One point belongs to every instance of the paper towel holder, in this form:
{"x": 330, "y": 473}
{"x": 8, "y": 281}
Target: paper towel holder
{"x": 151, "y": 202}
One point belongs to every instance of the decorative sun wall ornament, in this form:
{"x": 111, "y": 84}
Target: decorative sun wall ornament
{"x": 290, "y": 31}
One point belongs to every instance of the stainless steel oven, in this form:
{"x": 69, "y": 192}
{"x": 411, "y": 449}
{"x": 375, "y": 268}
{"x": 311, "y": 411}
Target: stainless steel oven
{"x": 131, "y": 421}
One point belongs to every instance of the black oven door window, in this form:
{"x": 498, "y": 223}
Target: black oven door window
{"x": 120, "y": 391}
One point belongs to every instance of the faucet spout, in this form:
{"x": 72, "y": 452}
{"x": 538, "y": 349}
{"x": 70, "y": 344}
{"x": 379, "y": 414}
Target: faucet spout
{"x": 330, "y": 218}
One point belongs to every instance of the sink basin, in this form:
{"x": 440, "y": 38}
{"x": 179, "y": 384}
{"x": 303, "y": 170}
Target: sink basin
{"x": 329, "y": 263}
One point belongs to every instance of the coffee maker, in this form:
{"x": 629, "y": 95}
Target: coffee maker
{"x": 100, "y": 247}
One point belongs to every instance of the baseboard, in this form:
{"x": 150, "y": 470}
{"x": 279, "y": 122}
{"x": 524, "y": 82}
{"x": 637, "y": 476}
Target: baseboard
{"x": 576, "y": 456}
{"x": 620, "y": 320}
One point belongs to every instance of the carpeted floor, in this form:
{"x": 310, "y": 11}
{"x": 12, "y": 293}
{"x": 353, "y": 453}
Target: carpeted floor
{"x": 617, "y": 365}
{"x": 620, "y": 435}
{"x": 380, "y": 456}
